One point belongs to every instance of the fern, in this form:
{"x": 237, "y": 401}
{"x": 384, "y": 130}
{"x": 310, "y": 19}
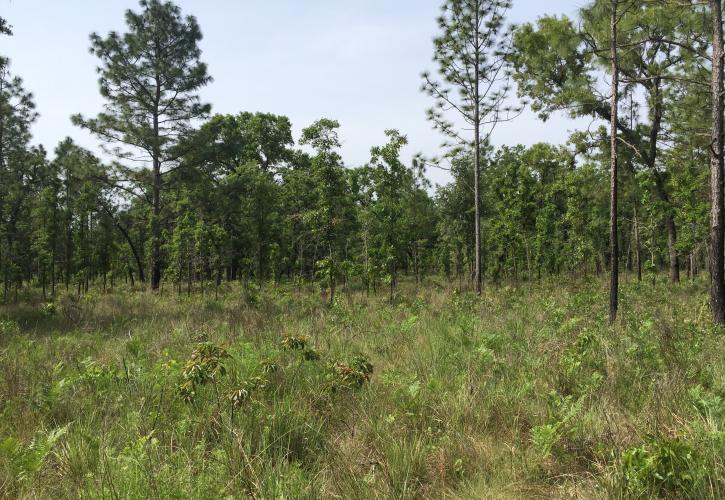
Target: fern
{"x": 25, "y": 461}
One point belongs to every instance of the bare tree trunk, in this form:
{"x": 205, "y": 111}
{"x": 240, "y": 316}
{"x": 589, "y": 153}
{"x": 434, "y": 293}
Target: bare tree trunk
{"x": 314, "y": 260}
{"x": 52, "y": 276}
{"x": 367, "y": 264}
{"x": 672, "y": 248}
{"x": 391, "y": 298}
{"x": 68, "y": 237}
{"x": 156, "y": 230}
{"x": 332, "y": 277}
{"x": 717, "y": 220}
{"x": 613, "y": 236}
{"x": 477, "y": 165}
{"x": 657, "y": 114}
{"x": 637, "y": 246}
{"x": 134, "y": 251}
{"x": 302, "y": 262}
{"x": 156, "y": 198}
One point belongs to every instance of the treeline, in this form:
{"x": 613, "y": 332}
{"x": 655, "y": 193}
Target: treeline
{"x": 193, "y": 200}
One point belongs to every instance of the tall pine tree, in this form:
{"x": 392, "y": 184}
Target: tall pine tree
{"x": 471, "y": 53}
{"x": 150, "y": 77}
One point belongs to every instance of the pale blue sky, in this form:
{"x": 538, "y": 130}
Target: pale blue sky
{"x": 357, "y": 61}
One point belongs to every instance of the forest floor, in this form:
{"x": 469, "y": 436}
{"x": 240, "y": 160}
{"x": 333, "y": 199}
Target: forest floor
{"x": 522, "y": 393}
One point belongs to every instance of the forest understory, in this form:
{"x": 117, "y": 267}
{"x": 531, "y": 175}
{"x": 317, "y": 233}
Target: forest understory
{"x": 525, "y": 392}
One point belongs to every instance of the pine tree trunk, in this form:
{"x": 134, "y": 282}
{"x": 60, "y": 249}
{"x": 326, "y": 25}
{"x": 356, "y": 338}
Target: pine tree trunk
{"x": 657, "y": 115}
{"x": 637, "y": 246}
{"x": 136, "y": 256}
{"x": 393, "y": 277}
{"x": 68, "y": 248}
{"x": 672, "y": 249}
{"x": 156, "y": 198}
{"x": 156, "y": 229}
{"x": 477, "y": 165}
{"x": 613, "y": 236}
{"x": 332, "y": 277}
{"x": 717, "y": 219}
{"x": 52, "y": 276}
{"x": 189, "y": 277}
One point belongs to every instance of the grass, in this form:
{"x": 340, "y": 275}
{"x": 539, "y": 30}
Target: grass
{"x": 522, "y": 393}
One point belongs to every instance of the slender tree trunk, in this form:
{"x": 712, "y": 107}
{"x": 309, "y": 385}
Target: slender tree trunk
{"x": 637, "y": 246}
{"x": 393, "y": 279}
{"x": 189, "y": 277}
{"x": 134, "y": 251}
{"x": 717, "y": 219}
{"x": 302, "y": 261}
{"x": 52, "y": 276}
{"x": 656, "y": 106}
{"x": 332, "y": 277}
{"x": 156, "y": 197}
{"x": 314, "y": 260}
{"x": 477, "y": 163}
{"x": 68, "y": 244}
{"x": 156, "y": 228}
{"x": 367, "y": 263}
{"x": 672, "y": 248}
{"x": 613, "y": 236}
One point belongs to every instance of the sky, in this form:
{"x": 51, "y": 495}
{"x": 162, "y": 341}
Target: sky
{"x": 356, "y": 61}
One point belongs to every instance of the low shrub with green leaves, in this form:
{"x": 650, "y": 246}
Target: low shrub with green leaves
{"x": 662, "y": 466}
{"x": 520, "y": 393}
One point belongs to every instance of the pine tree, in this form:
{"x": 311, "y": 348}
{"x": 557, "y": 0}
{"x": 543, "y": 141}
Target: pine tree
{"x": 150, "y": 77}
{"x": 471, "y": 53}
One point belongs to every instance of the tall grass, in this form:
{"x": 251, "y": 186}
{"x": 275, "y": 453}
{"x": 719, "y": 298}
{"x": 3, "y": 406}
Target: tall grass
{"x": 522, "y": 393}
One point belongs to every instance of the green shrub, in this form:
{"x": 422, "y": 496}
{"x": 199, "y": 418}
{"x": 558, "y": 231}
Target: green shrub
{"x": 662, "y": 466}
{"x": 9, "y": 327}
{"x": 206, "y": 365}
{"x": 295, "y": 343}
{"x": 353, "y": 374}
